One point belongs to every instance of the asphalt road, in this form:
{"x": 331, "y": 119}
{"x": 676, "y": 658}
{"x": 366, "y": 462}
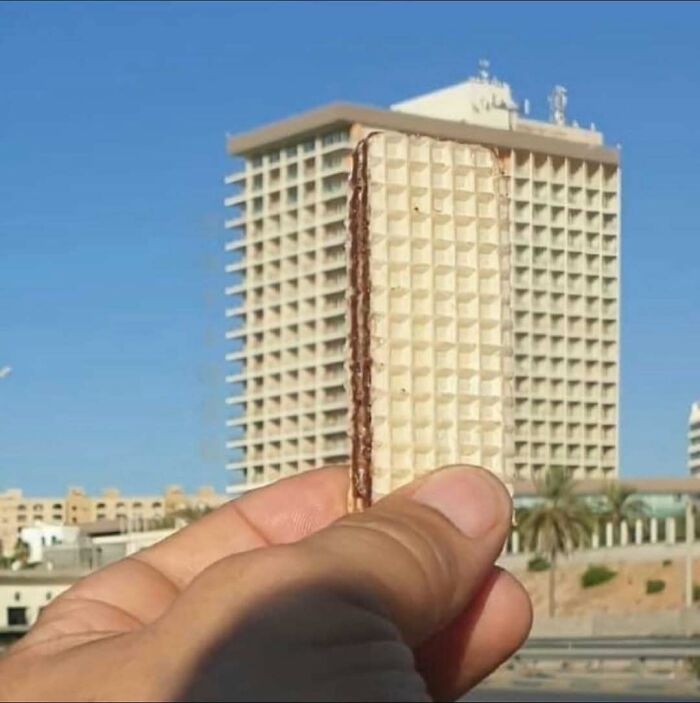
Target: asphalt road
{"x": 506, "y": 695}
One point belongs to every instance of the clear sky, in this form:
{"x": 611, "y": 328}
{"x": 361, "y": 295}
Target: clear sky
{"x": 112, "y": 125}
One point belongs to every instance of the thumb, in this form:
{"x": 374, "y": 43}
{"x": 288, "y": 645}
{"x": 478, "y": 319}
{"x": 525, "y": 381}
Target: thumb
{"x": 421, "y": 554}
{"x": 423, "y": 551}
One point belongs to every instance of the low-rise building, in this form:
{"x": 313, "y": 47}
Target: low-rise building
{"x": 663, "y": 497}
{"x": 77, "y": 507}
{"x": 23, "y": 595}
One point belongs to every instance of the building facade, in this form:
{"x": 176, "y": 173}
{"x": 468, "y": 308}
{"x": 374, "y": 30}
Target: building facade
{"x": 694, "y": 440}
{"x": 24, "y": 594}
{"x": 77, "y": 508}
{"x": 287, "y": 297}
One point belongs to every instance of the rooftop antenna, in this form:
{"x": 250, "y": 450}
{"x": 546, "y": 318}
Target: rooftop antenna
{"x": 557, "y": 105}
{"x": 484, "y": 65}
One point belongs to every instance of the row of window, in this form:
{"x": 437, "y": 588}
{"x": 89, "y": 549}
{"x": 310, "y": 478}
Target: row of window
{"x": 556, "y": 281}
{"x": 307, "y": 146}
{"x": 525, "y": 471}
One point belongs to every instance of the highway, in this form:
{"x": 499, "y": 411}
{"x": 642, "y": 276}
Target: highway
{"x": 611, "y": 648}
{"x": 516, "y": 695}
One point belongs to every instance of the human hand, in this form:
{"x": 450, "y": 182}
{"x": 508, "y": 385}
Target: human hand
{"x": 281, "y": 596}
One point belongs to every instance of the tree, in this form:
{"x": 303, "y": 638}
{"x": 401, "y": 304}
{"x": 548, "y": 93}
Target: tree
{"x": 559, "y": 522}
{"x": 619, "y": 505}
{"x": 20, "y": 556}
{"x": 186, "y": 515}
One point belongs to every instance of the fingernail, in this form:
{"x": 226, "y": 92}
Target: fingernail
{"x": 467, "y": 497}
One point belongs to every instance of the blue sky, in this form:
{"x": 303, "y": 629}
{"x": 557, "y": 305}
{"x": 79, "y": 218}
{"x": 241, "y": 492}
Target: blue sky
{"x": 112, "y": 124}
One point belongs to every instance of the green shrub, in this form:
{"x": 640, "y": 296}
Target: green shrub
{"x": 694, "y": 665}
{"x": 666, "y": 562}
{"x": 696, "y": 592}
{"x": 538, "y": 563}
{"x": 595, "y": 575}
{"x": 655, "y": 586}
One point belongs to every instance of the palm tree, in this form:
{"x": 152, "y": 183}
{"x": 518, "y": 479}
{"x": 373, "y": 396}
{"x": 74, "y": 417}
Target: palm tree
{"x": 619, "y": 505}
{"x": 559, "y": 522}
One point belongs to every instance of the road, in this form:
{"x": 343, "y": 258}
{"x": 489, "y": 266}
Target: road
{"x": 506, "y": 695}
{"x": 611, "y": 648}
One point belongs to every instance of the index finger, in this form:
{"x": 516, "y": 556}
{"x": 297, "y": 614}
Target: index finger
{"x": 143, "y": 586}
{"x": 283, "y": 512}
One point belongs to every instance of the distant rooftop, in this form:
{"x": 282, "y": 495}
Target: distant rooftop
{"x": 647, "y": 486}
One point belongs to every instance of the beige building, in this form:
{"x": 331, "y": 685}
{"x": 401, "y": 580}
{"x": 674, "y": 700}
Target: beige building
{"x": 76, "y": 508}
{"x": 288, "y": 262}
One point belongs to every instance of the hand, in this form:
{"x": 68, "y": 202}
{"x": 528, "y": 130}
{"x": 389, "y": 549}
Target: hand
{"x": 281, "y": 596}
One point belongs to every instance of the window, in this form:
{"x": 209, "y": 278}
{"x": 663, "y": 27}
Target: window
{"x": 256, "y": 161}
{"x": 37, "y": 507}
{"x": 57, "y": 506}
{"x": 291, "y": 151}
{"x": 16, "y": 616}
{"x": 309, "y": 145}
{"x": 100, "y": 506}
{"x": 334, "y": 137}
{"x": 273, "y": 157}
{"x": 157, "y": 504}
{"x": 18, "y": 596}
{"x": 21, "y": 508}
{"x": 49, "y": 595}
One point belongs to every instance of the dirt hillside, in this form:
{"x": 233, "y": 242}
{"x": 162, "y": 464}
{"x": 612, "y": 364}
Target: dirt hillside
{"x": 625, "y": 593}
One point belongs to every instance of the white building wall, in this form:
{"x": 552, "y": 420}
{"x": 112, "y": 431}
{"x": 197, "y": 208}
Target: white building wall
{"x": 694, "y": 440}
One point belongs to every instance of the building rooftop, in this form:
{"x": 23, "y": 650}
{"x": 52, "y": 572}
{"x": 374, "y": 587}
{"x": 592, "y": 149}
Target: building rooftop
{"x": 641, "y": 485}
{"x": 40, "y": 576}
{"x": 480, "y": 110}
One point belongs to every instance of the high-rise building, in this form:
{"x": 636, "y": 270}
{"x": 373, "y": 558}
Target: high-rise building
{"x": 288, "y": 262}
{"x": 694, "y": 440}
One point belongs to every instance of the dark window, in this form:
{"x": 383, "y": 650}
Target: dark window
{"x": 16, "y": 616}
